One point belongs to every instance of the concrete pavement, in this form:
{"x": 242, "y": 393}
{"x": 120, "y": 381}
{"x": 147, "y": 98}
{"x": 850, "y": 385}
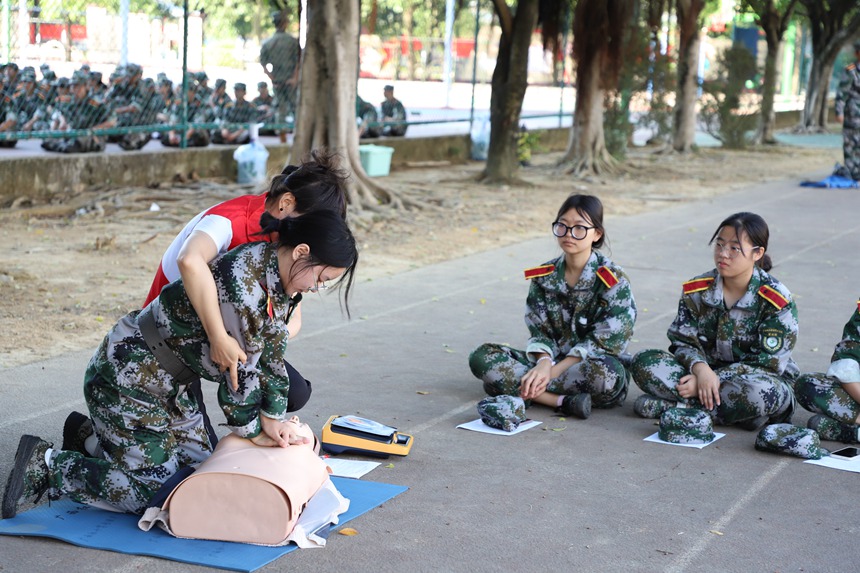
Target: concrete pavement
{"x": 567, "y": 495}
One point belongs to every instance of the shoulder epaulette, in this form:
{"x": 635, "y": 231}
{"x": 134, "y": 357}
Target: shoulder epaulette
{"x": 607, "y": 276}
{"x": 540, "y": 271}
{"x": 697, "y": 285}
{"x": 773, "y": 296}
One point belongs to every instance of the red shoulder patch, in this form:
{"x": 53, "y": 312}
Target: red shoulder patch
{"x": 607, "y": 276}
{"x": 697, "y": 285}
{"x": 773, "y": 296}
{"x": 541, "y": 271}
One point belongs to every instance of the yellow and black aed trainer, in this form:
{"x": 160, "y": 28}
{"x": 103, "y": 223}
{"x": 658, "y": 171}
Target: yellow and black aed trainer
{"x": 356, "y": 435}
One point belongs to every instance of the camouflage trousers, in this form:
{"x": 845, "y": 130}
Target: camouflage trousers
{"x": 823, "y": 394}
{"x": 134, "y": 141}
{"x": 851, "y": 151}
{"x": 85, "y": 144}
{"x": 746, "y": 392}
{"x": 501, "y": 368}
{"x": 148, "y": 425}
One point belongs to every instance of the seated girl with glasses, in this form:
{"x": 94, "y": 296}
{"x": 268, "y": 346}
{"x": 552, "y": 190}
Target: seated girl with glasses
{"x": 731, "y": 341}
{"x": 580, "y": 314}
{"x": 834, "y": 396}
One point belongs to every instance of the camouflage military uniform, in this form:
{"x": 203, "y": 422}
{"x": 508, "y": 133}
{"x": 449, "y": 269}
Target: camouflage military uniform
{"x": 848, "y": 106}
{"x": 394, "y": 112}
{"x": 281, "y": 52}
{"x": 85, "y": 113}
{"x": 593, "y": 320}
{"x": 149, "y": 426}
{"x": 237, "y": 112}
{"x": 748, "y": 347}
{"x": 8, "y": 114}
{"x": 367, "y": 118}
{"x": 822, "y": 393}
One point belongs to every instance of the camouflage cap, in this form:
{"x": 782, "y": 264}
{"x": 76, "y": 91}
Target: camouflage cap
{"x": 49, "y": 75}
{"x": 133, "y": 70}
{"x": 261, "y": 85}
{"x": 79, "y": 77}
{"x": 61, "y": 82}
{"x": 686, "y": 426}
{"x": 790, "y": 439}
{"x": 220, "y": 83}
{"x": 502, "y": 412}
{"x": 96, "y": 76}
{"x": 27, "y": 77}
{"x": 240, "y": 86}
{"x": 201, "y": 76}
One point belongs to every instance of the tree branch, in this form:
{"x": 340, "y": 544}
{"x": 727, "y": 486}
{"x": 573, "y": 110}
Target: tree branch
{"x": 506, "y": 19}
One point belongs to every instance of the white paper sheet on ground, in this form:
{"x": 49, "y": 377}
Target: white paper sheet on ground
{"x": 479, "y": 426}
{"x": 349, "y": 468}
{"x": 838, "y": 464}
{"x": 655, "y": 437}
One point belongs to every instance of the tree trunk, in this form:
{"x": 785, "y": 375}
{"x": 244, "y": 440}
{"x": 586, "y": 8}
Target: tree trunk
{"x": 688, "y": 61}
{"x": 586, "y": 151}
{"x": 510, "y": 80}
{"x": 326, "y": 109}
{"x": 832, "y": 26}
{"x": 768, "y": 117}
{"x": 814, "y": 118}
{"x": 408, "y": 11}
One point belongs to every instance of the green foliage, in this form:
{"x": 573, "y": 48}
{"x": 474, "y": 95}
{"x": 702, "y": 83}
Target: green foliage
{"x": 528, "y": 142}
{"x": 725, "y": 111}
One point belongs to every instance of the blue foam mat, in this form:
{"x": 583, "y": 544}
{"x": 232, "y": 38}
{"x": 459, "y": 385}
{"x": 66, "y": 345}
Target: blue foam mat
{"x": 833, "y": 182}
{"x": 98, "y": 529}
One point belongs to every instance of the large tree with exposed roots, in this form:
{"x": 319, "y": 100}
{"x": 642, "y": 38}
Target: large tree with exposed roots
{"x": 773, "y": 17}
{"x": 833, "y": 23}
{"x": 326, "y": 109}
{"x": 510, "y": 80}
{"x": 598, "y": 41}
{"x": 690, "y": 23}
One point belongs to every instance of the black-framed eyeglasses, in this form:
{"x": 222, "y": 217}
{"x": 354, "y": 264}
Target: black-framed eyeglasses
{"x": 731, "y": 251}
{"x": 559, "y": 229}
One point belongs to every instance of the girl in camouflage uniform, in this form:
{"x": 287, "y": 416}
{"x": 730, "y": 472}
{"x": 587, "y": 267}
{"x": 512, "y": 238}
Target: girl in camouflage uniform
{"x": 835, "y": 396}
{"x": 731, "y": 341}
{"x": 148, "y": 428}
{"x": 580, "y": 314}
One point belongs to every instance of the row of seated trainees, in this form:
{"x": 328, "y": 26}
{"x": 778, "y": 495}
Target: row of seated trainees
{"x": 224, "y": 305}
{"x": 147, "y": 427}
{"x": 729, "y": 350}
{"x": 84, "y": 101}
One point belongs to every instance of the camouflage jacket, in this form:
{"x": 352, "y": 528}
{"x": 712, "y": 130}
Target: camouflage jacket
{"x": 848, "y": 96}
{"x": 588, "y": 319}
{"x": 281, "y": 51}
{"x": 85, "y": 113}
{"x": 759, "y": 330}
{"x": 393, "y": 110}
{"x": 849, "y": 346}
{"x": 239, "y": 112}
{"x": 255, "y": 309}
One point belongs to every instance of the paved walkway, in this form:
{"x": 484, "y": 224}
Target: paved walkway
{"x": 568, "y": 495}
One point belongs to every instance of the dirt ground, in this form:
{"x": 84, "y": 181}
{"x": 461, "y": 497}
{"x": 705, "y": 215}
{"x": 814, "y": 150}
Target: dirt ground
{"x": 71, "y": 266}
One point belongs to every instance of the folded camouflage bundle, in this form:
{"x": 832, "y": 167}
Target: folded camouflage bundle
{"x": 790, "y": 439}
{"x": 502, "y": 412}
{"x": 686, "y": 426}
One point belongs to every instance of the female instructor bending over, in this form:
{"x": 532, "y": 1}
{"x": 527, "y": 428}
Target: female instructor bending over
{"x": 148, "y": 428}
